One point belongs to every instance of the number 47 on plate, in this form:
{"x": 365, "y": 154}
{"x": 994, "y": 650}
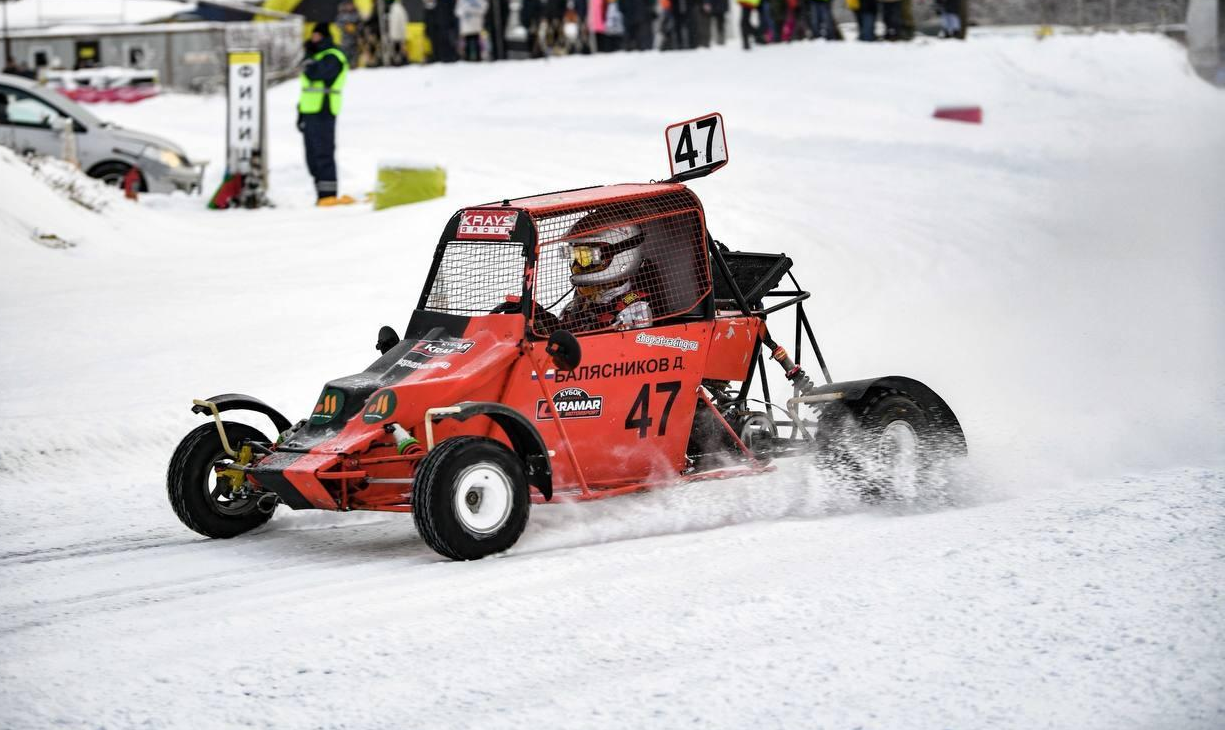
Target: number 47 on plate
{"x": 696, "y": 147}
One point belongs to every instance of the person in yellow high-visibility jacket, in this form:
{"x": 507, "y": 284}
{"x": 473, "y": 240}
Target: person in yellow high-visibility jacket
{"x": 323, "y": 82}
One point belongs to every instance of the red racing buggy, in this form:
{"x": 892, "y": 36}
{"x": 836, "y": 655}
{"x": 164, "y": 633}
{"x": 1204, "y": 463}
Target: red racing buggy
{"x": 572, "y": 345}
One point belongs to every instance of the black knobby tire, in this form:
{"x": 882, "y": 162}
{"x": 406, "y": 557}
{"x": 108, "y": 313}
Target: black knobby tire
{"x": 113, "y": 173}
{"x": 444, "y": 471}
{"x": 888, "y": 444}
{"x": 191, "y": 479}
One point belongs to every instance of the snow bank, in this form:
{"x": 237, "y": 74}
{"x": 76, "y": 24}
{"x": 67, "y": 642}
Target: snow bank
{"x": 48, "y": 202}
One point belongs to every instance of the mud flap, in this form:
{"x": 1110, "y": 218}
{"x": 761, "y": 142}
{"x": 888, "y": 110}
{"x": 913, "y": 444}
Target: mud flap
{"x": 240, "y": 402}
{"x": 933, "y": 406}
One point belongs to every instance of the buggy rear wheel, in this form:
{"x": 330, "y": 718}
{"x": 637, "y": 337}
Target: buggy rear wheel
{"x": 204, "y": 500}
{"x": 757, "y": 431}
{"x": 470, "y": 498}
{"x": 889, "y": 445}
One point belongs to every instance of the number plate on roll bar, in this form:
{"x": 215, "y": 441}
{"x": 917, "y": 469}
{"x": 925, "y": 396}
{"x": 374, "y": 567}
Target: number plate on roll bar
{"x": 696, "y": 147}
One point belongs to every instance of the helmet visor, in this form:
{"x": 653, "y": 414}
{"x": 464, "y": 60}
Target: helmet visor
{"x": 586, "y": 257}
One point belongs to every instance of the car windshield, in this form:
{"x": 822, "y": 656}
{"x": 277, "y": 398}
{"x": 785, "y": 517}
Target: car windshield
{"x": 475, "y": 277}
{"x": 21, "y": 109}
{"x": 76, "y": 111}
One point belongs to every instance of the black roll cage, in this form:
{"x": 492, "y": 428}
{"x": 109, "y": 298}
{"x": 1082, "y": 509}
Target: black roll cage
{"x": 761, "y": 281}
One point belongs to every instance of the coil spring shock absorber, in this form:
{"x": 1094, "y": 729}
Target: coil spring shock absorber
{"x": 795, "y": 374}
{"x": 807, "y": 391}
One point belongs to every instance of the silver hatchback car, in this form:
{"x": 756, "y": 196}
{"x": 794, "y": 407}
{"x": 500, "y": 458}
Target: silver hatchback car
{"x": 33, "y": 120}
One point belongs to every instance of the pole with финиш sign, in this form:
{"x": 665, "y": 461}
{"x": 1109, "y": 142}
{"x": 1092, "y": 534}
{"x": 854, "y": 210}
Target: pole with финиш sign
{"x": 246, "y": 128}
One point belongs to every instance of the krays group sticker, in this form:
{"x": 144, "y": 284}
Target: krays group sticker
{"x": 571, "y": 403}
{"x": 487, "y": 225}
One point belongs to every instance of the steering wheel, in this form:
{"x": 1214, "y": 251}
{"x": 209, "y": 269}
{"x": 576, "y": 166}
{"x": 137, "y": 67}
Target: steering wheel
{"x": 545, "y": 322}
{"x": 507, "y": 307}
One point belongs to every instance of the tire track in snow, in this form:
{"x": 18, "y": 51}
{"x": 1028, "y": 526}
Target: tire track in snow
{"x": 90, "y": 548}
{"x": 273, "y": 571}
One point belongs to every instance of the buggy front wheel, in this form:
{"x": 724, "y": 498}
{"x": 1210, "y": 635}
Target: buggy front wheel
{"x": 470, "y": 498}
{"x": 205, "y": 500}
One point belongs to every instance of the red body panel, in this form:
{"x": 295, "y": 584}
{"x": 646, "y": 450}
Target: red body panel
{"x": 618, "y": 368}
{"x": 445, "y": 379}
{"x": 478, "y": 373}
{"x": 731, "y": 347}
{"x": 302, "y": 475}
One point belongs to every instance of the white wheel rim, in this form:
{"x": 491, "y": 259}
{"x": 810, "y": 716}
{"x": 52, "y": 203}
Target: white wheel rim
{"x": 483, "y": 498}
{"x": 898, "y": 453}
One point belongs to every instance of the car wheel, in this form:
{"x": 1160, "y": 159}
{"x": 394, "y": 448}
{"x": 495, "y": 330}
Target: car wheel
{"x": 888, "y": 445}
{"x": 113, "y": 174}
{"x": 203, "y": 500}
{"x": 470, "y": 498}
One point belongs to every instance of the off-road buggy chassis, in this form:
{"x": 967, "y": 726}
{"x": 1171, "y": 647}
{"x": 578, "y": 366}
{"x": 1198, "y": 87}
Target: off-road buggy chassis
{"x": 487, "y": 397}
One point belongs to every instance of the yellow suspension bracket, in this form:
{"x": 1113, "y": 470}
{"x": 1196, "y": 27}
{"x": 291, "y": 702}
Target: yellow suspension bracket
{"x": 238, "y": 476}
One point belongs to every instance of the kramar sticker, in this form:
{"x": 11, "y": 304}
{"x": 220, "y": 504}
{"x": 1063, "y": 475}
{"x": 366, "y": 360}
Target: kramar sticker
{"x": 487, "y": 225}
{"x": 571, "y": 403}
{"x": 442, "y": 348}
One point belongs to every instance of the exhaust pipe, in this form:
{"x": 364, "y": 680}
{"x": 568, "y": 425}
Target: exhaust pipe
{"x": 267, "y": 502}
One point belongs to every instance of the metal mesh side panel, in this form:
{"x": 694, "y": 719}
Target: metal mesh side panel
{"x": 473, "y": 278}
{"x": 675, "y": 271}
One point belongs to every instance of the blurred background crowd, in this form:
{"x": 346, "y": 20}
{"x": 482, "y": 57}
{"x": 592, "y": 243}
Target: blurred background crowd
{"x": 424, "y": 31}
{"x": 180, "y": 44}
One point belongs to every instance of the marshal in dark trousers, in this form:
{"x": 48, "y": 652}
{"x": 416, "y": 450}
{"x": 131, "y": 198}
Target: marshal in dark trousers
{"x": 323, "y": 81}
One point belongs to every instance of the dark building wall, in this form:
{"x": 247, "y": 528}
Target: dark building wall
{"x": 1054, "y": 12}
{"x": 1080, "y": 12}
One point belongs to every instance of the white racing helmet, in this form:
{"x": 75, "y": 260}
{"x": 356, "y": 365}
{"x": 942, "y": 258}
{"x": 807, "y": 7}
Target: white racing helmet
{"x": 603, "y": 255}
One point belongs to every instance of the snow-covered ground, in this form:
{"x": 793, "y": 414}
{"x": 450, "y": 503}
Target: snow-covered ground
{"x": 1058, "y": 274}
{"x": 68, "y": 14}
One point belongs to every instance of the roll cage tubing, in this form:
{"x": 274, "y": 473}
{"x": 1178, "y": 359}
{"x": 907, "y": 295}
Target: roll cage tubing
{"x": 795, "y": 298}
{"x": 792, "y": 297}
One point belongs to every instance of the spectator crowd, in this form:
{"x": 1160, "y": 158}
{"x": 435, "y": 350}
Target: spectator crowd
{"x": 424, "y": 31}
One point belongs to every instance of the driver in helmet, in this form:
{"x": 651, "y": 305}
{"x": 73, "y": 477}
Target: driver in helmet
{"x": 606, "y": 269}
